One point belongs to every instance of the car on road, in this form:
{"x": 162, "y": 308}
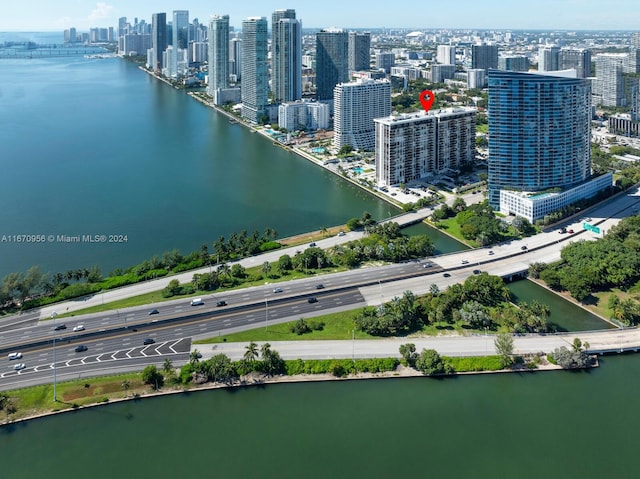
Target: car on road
{"x": 312, "y": 245}
{"x": 148, "y": 341}
{"x": 13, "y": 356}
{"x": 197, "y": 302}
{"x": 221, "y": 303}
{"x": 79, "y": 327}
{"x": 60, "y": 327}
{"x": 342, "y": 233}
{"x": 446, "y": 275}
{"x": 465, "y": 261}
{"x": 319, "y": 286}
{"x": 570, "y": 232}
{"x": 81, "y": 349}
{"x": 427, "y": 265}
{"x": 277, "y": 290}
{"x": 476, "y": 271}
{"x": 154, "y": 311}
{"x": 490, "y": 252}
{"x": 19, "y": 366}
{"x": 312, "y": 300}
{"x": 523, "y": 247}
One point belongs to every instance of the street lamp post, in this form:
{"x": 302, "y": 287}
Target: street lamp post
{"x": 55, "y": 397}
{"x": 266, "y": 313}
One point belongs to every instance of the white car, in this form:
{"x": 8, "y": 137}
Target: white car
{"x": 19, "y": 366}
{"x": 277, "y": 290}
{"x": 464, "y": 261}
{"x": 342, "y": 233}
{"x": 13, "y": 356}
{"x": 77, "y": 328}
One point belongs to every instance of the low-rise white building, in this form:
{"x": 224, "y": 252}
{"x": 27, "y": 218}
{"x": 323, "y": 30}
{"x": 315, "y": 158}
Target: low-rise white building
{"x": 301, "y": 115}
{"x": 535, "y": 205}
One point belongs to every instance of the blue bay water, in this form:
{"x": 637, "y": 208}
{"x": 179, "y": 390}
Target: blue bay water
{"x": 98, "y": 147}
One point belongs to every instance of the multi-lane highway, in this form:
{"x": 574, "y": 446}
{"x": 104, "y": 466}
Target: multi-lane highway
{"x": 115, "y": 339}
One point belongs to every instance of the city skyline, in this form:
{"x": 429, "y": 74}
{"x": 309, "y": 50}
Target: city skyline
{"x": 41, "y": 15}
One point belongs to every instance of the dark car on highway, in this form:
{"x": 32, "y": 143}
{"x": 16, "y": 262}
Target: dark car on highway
{"x": 60, "y": 327}
{"x": 82, "y": 348}
{"x": 312, "y": 300}
{"x": 221, "y": 303}
{"x": 148, "y": 341}
{"x": 153, "y": 311}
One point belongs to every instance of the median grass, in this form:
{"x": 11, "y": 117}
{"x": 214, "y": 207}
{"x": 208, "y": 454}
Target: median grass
{"x": 336, "y": 326}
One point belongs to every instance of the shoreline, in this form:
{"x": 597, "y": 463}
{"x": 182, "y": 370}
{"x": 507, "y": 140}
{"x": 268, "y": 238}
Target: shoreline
{"x": 401, "y": 372}
{"x": 297, "y": 151}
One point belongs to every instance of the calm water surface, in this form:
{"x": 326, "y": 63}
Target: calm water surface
{"x": 553, "y": 424}
{"x": 97, "y": 147}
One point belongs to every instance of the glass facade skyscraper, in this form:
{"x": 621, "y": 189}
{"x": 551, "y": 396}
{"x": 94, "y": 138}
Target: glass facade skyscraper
{"x": 286, "y": 56}
{"x": 255, "y": 69}
{"x": 158, "y": 38}
{"x": 539, "y": 132}
{"x": 332, "y": 61}
{"x": 218, "y": 53}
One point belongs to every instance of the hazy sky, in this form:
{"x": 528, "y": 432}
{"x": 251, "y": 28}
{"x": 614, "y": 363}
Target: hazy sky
{"x": 56, "y": 15}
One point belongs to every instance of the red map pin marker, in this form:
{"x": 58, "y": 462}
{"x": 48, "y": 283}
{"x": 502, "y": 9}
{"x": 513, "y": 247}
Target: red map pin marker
{"x": 426, "y": 98}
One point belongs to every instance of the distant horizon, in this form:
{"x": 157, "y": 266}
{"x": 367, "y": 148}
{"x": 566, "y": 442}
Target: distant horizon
{"x": 498, "y": 29}
{"x": 544, "y": 15}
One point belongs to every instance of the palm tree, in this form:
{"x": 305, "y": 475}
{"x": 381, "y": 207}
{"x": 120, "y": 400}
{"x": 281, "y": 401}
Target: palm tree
{"x": 250, "y": 356}
{"x": 266, "y": 268}
{"x": 125, "y": 386}
{"x": 167, "y": 367}
{"x": 194, "y": 357}
{"x": 324, "y": 231}
{"x": 251, "y": 353}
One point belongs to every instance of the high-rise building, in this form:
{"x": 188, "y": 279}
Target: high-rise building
{"x": 418, "y": 145}
{"x": 158, "y": 39}
{"x": 576, "y": 59}
{"x": 446, "y": 55}
{"x": 180, "y": 40}
{"x": 476, "y": 78}
{"x": 255, "y": 69}
{"x": 539, "y": 132}
{"x": 484, "y": 56}
{"x": 440, "y": 73}
{"x": 609, "y": 84}
{"x": 218, "y": 54}
{"x": 135, "y": 44}
{"x": 359, "y": 51}
{"x": 548, "y": 58}
{"x": 514, "y": 63}
{"x": 286, "y": 56}
{"x": 332, "y": 61}
{"x": 123, "y": 27}
{"x": 385, "y": 61}
{"x": 235, "y": 58}
{"x": 356, "y": 104}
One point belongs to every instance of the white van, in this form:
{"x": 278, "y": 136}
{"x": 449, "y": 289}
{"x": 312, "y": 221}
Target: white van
{"x": 197, "y": 302}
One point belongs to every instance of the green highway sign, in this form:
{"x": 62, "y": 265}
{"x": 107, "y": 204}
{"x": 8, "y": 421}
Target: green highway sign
{"x": 590, "y": 227}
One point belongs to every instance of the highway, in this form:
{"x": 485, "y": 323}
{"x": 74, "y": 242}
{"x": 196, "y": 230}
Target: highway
{"x": 115, "y": 339}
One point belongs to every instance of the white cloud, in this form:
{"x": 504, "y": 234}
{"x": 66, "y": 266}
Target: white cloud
{"x": 103, "y": 10}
